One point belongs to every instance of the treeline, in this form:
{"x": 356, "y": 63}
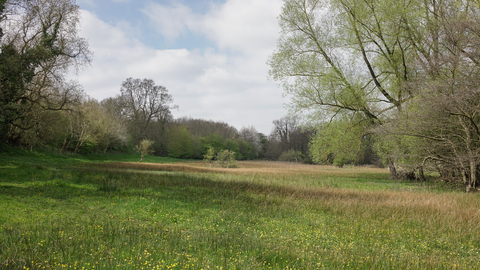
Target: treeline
{"x": 39, "y": 108}
{"x": 191, "y": 138}
{"x": 141, "y": 111}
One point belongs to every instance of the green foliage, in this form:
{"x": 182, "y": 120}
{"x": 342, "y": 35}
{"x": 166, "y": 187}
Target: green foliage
{"x": 180, "y": 143}
{"x": 389, "y": 67}
{"x": 16, "y": 70}
{"x": 208, "y": 157}
{"x": 42, "y": 44}
{"x": 226, "y": 159}
{"x": 144, "y": 148}
{"x": 245, "y": 150}
{"x": 338, "y": 142}
{"x": 232, "y": 145}
{"x": 88, "y": 145}
{"x": 212, "y": 140}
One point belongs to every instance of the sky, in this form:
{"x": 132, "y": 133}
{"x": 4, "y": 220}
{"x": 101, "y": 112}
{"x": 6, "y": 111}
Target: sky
{"x": 210, "y": 54}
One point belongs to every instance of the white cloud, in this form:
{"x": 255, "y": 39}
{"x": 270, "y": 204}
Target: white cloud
{"x": 205, "y": 83}
{"x": 171, "y": 22}
{"x": 244, "y": 25}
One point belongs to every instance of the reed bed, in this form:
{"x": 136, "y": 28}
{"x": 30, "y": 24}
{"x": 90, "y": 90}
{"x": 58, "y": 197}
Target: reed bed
{"x": 249, "y": 167}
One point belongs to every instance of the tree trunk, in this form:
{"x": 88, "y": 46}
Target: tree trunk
{"x": 420, "y": 176}
{"x": 106, "y": 147}
{"x": 77, "y": 147}
{"x": 473, "y": 173}
{"x": 65, "y": 145}
{"x": 393, "y": 170}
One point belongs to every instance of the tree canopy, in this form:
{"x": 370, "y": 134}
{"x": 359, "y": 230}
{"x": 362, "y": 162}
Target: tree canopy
{"x": 39, "y": 42}
{"x": 356, "y": 65}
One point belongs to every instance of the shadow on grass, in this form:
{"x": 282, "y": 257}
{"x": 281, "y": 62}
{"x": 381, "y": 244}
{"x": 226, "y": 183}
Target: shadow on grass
{"x": 100, "y": 182}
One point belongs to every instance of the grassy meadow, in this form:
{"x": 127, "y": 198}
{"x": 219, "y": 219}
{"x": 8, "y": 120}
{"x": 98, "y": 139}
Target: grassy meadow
{"x": 110, "y": 212}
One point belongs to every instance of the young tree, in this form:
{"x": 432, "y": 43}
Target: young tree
{"x": 208, "y": 157}
{"x": 226, "y": 159}
{"x": 145, "y": 147}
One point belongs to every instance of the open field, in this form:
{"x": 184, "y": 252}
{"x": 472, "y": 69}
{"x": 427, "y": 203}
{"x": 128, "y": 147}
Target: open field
{"x": 98, "y": 213}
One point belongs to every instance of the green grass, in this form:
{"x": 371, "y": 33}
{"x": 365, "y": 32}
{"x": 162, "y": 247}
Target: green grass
{"x": 65, "y": 213}
{"x": 33, "y": 158}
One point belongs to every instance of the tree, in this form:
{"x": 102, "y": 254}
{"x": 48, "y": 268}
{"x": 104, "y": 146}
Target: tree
{"x": 337, "y": 142}
{"x": 251, "y": 135}
{"x": 113, "y": 127}
{"x": 180, "y": 143}
{"x": 245, "y": 150}
{"x": 214, "y": 140}
{"x": 38, "y": 43}
{"x": 289, "y": 133}
{"x": 286, "y": 135}
{"x": 204, "y": 128}
{"x": 273, "y": 148}
{"x": 208, "y": 157}
{"x": 144, "y": 148}
{"x": 233, "y": 145}
{"x": 439, "y": 128}
{"x": 226, "y": 159}
{"x": 144, "y": 103}
{"x": 351, "y": 64}
{"x": 263, "y": 144}
{"x": 342, "y": 60}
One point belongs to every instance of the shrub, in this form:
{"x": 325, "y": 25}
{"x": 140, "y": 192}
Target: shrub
{"x": 226, "y": 159}
{"x": 208, "y": 157}
{"x": 145, "y": 148}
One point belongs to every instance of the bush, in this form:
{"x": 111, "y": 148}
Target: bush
{"x": 208, "y": 157}
{"x": 226, "y": 159}
{"x": 145, "y": 148}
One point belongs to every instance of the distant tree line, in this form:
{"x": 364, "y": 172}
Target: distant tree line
{"x": 142, "y": 111}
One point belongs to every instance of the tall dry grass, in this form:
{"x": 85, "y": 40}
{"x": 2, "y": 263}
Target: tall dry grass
{"x": 443, "y": 210}
{"x": 259, "y": 167}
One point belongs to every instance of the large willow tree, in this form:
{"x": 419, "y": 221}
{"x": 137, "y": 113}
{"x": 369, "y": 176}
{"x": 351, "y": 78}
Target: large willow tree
{"x": 355, "y": 65}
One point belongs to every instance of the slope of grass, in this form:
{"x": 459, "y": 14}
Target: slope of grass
{"x": 67, "y": 214}
{"x": 34, "y": 158}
